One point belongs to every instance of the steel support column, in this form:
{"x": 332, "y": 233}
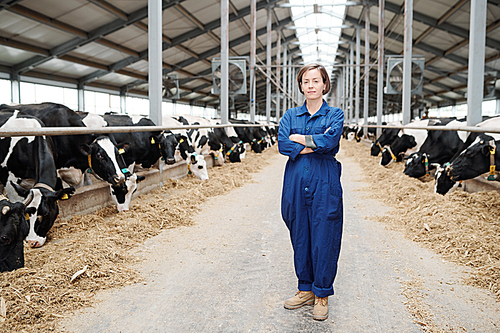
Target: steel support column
{"x": 351, "y": 82}
{"x": 366, "y": 98}
{"x": 381, "y": 59}
{"x": 346, "y": 92}
{"x": 15, "y": 84}
{"x": 123, "y": 101}
{"x": 285, "y": 58}
{"x": 407, "y": 63}
{"x": 358, "y": 73}
{"x": 155, "y": 60}
{"x": 224, "y": 60}
{"x": 278, "y": 71}
{"x": 475, "y": 81}
{"x": 268, "y": 61}
{"x": 253, "y": 38}
{"x": 81, "y": 97}
{"x": 290, "y": 83}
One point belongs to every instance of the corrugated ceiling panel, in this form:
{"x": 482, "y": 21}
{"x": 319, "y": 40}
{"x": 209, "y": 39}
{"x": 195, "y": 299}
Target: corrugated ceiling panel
{"x": 439, "y": 7}
{"x": 201, "y": 44}
{"x": 10, "y": 56}
{"x": 140, "y": 66}
{"x": 12, "y": 24}
{"x": 129, "y": 6}
{"x": 204, "y": 11}
{"x": 442, "y": 40}
{"x": 116, "y": 79}
{"x": 446, "y": 65}
{"x": 87, "y": 17}
{"x": 131, "y": 37}
{"x": 461, "y": 18}
{"x": 44, "y": 36}
{"x": 173, "y": 56}
{"x": 54, "y": 8}
{"x": 65, "y": 68}
{"x": 175, "y": 24}
{"x": 91, "y": 51}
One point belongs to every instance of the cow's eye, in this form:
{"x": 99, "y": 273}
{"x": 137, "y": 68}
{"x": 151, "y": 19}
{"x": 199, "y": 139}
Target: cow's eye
{"x": 99, "y": 156}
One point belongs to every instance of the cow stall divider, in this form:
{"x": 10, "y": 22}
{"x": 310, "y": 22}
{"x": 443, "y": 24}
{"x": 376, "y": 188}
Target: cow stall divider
{"x": 90, "y": 198}
{"x": 476, "y": 184}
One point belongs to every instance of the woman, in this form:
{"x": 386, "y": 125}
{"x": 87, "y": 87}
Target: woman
{"x": 311, "y": 203}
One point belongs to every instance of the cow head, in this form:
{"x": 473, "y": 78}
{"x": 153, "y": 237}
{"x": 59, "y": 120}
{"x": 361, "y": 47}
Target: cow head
{"x": 256, "y": 147}
{"x": 218, "y": 156}
{"x": 242, "y": 150}
{"x": 397, "y": 149}
{"x": 415, "y": 165}
{"x": 105, "y": 160}
{"x": 122, "y": 193}
{"x": 375, "y": 148}
{"x": 167, "y": 142}
{"x": 444, "y": 184}
{"x": 42, "y": 210}
{"x": 13, "y": 230}
{"x": 473, "y": 161}
{"x": 234, "y": 154}
{"x": 197, "y": 166}
{"x": 185, "y": 146}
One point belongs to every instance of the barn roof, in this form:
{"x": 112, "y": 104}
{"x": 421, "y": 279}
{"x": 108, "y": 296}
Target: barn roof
{"x": 104, "y": 43}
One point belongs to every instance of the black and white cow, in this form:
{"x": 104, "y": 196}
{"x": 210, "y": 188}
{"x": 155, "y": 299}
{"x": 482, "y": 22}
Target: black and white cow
{"x": 444, "y": 183}
{"x": 476, "y": 160}
{"x": 31, "y": 157}
{"x": 134, "y": 148}
{"x": 13, "y": 230}
{"x": 84, "y": 151}
{"x": 386, "y": 138}
{"x": 438, "y": 148}
{"x": 408, "y": 141}
{"x": 199, "y": 140}
{"x": 248, "y": 135}
{"x": 219, "y": 140}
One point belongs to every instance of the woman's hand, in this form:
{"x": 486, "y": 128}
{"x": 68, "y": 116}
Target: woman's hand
{"x": 306, "y": 151}
{"x": 299, "y": 138}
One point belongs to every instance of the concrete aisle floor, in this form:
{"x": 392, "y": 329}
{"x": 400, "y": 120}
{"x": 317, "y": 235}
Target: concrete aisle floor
{"x": 233, "y": 269}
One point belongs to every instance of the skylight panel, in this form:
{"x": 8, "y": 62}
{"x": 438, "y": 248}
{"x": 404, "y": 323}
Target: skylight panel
{"x": 318, "y": 33}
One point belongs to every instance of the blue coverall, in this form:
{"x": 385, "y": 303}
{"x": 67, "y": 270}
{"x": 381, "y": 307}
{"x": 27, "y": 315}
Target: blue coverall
{"x": 311, "y": 202}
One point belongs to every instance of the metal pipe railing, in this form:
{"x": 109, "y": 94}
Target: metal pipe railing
{"x": 52, "y": 131}
{"x": 441, "y": 128}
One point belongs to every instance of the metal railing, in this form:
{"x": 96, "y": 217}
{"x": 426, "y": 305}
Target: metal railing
{"x": 440, "y": 128}
{"x": 52, "y": 131}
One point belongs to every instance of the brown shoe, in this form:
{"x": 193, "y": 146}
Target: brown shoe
{"x": 300, "y": 299}
{"x": 320, "y": 311}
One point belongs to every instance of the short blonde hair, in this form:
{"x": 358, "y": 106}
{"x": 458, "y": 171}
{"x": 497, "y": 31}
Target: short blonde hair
{"x": 322, "y": 70}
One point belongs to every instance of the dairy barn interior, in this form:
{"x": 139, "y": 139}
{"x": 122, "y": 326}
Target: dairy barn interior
{"x": 182, "y": 100}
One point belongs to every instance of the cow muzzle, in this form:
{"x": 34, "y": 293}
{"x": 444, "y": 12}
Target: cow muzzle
{"x": 170, "y": 161}
{"x": 34, "y": 243}
{"x": 119, "y": 179}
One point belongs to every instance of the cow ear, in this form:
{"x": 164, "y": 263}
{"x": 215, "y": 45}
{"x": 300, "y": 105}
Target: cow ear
{"x": 85, "y": 149}
{"x": 434, "y": 166}
{"x": 193, "y": 159}
{"x": 123, "y": 147}
{"x": 20, "y": 190}
{"x": 203, "y": 141}
{"x": 485, "y": 150}
{"x": 30, "y": 210}
{"x": 65, "y": 193}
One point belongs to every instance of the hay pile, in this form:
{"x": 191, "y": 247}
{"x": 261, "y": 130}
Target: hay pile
{"x": 91, "y": 253}
{"x": 462, "y": 227}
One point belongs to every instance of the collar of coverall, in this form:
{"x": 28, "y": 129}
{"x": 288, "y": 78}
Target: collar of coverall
{"x": 323, "y": 110}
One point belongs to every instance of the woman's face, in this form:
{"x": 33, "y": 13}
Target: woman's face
{"x": 312, "y": 84}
